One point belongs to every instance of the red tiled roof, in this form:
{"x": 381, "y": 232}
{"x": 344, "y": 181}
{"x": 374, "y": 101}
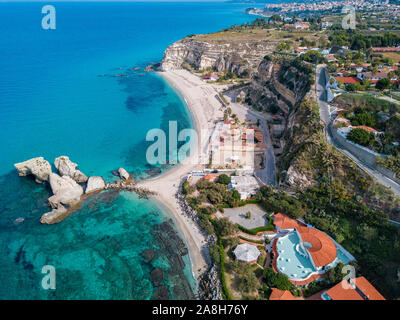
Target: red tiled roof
{"x": 281, "y": 295}
{"x": 343, "y": 291}
{"x": 368, "y": 289}
{"x": 210, "y": 176}
{"x": 339, "y": 293}
{"x": 366, "y": 128}
{"x": 284, "y": 222}
{"x": 323, "y": 250}
{"x": 347, "y": 80}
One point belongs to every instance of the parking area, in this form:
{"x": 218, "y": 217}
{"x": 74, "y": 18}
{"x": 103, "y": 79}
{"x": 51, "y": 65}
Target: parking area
{"x": 238, "y": 215}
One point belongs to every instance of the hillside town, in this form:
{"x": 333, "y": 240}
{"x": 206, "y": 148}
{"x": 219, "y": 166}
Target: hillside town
{"x": 317, "y": 7}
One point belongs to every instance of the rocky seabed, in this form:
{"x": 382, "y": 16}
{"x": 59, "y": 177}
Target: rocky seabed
{"x": 209, "y": 281}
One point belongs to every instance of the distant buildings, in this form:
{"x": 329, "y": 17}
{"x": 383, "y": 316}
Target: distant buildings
{"x": 375, "y": 77}
{"x": 386, "y": 49}
{"x": 210, "y": 77}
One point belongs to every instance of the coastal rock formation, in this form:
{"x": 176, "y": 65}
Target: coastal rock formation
{"x": 148, "y": 255}
{"x": 66, "y": 191}
{"x": 38, "y": 167}
{"x": 156, "y": 276}
{"x": 295, "y": 178}
{"x": 202, "y": 52}
{"x": 160, "y": 293}
{"x": 95, "y": 184}
{"x": 54, "y": 215}
{"x": 68, "y": 168}
{"x": 123, "y": 174}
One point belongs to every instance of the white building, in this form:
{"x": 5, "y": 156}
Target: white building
{"x": 247, "y": 253}
{"x": 246, "y": 185}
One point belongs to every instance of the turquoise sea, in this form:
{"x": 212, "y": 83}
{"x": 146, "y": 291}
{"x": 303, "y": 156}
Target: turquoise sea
{"x": 54, "y": 102}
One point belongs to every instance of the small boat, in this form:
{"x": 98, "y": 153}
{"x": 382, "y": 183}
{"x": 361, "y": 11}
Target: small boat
{"x": 19, "y": 220}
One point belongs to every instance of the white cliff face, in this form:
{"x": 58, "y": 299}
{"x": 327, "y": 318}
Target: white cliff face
{"x": 222, "y": 55}
{"x": 38, "y": 167}
{"x": 66, "y": 191}
{"x": 95, "y": 184}
{"x": 68, "y": 168}
{"x": 295, "y": 178}
{"x": 123, "y": 174}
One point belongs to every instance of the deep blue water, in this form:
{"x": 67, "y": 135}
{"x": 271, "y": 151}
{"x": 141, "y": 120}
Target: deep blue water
{"x": 53, "y": 102}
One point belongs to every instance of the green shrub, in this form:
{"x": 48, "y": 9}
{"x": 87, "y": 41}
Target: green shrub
{"x": 224, "y": 179}
{"x": 277, "y": 280}
{"x": 360, "y": 136}
{"x": 214, "y": 253}
{"x": 256, "y": 230}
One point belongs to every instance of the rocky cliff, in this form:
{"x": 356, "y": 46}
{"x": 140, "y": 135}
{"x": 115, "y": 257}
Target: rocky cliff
{"x": 231, "y": 55}
{"x": 278, "y": 84}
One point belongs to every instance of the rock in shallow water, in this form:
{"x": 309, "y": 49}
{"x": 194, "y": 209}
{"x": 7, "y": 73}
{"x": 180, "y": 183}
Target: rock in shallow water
{"x": 68, "y": 168}
{"x": 156, "y": 277}
{"x": 95, "y": 184}
{"x": 148, "y": 255}
{"x": 123, "y": 174}
{"x": 54, "y": 215}
{"x": 160, "y": 293}
{"x": 38, "y": 167}
{"x": 66, "y": 191}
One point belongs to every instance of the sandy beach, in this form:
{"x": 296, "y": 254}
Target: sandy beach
{"x": 204, "y": 108}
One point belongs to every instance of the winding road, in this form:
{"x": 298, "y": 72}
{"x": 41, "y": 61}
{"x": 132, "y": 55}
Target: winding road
{"x": 328, "y": 116}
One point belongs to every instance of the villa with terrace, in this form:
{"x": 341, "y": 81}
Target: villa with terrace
{"x": 304, "y": 253}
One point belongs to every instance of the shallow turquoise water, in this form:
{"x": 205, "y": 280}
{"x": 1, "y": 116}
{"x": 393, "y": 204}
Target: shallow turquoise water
{"x": 53, "y": 102}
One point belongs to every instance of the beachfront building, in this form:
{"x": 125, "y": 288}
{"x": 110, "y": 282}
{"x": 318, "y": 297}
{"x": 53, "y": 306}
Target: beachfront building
{"x": 210, "y": 77}
{"x": 353, "y": 289}
{"x": 304, "y": 253}
{"x": 233, "y": 146}
{"x": 246, "y": 185}
{"x": 247, "y": 253}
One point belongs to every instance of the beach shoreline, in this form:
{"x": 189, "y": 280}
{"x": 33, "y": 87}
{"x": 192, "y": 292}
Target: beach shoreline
{"x": 204, "y": 109}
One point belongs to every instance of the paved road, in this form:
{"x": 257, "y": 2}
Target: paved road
{"x": 328, "y": 116}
